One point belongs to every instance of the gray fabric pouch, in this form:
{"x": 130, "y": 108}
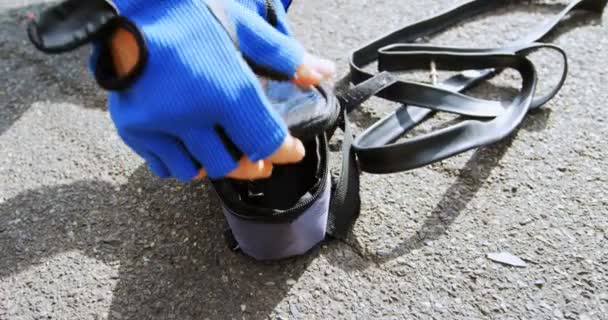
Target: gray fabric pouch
{"x": 287, "y": 214}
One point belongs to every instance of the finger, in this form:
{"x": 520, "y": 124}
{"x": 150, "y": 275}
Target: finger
{"x": 173, "y": 155}
{"x": 306, "y": 76}
{"x": 248, "y": 170}
{"x": 201, "y": 175}
{"x": 210, "y": 151}
{"x": 264, "y": 45}
{"x": 314, "y": 70}
{"x": 256, "y": 132}
{"x": 155, "y": 164}
{"x": 291, "y": 151}
{"x": 323, "y": 66}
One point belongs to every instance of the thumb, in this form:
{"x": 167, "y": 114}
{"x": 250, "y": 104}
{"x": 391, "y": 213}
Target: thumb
{"x": 313, "y": 70}
{"x": 263, "y": 46}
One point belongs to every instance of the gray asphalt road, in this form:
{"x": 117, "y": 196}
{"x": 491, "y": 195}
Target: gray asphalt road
{"x": 86, "y": 232}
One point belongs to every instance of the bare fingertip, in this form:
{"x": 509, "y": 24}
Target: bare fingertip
{"x": 201, "y": 175}
{"x": 299, "y": 148}
{"x": 264, "y": 169}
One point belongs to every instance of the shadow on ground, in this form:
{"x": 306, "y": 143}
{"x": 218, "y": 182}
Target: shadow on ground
{"x": 172, "y": 257}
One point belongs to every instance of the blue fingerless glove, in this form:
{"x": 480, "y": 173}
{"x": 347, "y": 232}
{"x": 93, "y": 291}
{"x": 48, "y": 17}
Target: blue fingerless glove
{"x": 192, "y": 99}
{"x": 286, "y": 4}
{"x": 273, "y": 11}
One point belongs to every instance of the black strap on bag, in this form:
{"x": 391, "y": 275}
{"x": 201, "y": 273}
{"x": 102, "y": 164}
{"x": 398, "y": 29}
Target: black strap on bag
{"x": 376, "y": 150}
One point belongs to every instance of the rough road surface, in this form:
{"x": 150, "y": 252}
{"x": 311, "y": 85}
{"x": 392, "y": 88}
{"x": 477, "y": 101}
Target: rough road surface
{"x": 86, "y": 232}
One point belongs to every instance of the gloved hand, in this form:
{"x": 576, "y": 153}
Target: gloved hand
{"x": 313, "y": 69}
{"x": 180, "y": 89}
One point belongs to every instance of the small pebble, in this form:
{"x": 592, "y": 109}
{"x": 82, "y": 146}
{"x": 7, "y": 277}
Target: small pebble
{"x": 507, "y": 258}
{"x": 525, "y": 221}
{"x": 539, "y": 283}
{"x": 558, "y": 314}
